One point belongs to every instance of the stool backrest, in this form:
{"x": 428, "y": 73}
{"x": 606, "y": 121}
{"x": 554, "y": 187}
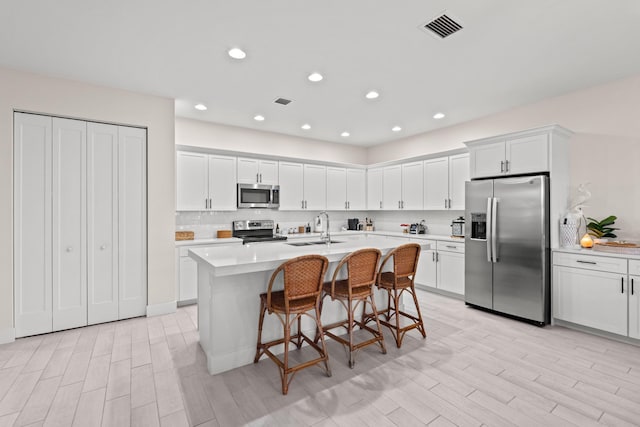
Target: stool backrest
{"x": 303, "y": 276}
{"x": 405, "y": 259}
{"x": 363, "y": 266}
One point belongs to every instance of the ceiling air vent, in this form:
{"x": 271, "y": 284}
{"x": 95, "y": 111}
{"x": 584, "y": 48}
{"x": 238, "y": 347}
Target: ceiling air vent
{"x": 282, "y": 101}
{"x": 443, "y": 26}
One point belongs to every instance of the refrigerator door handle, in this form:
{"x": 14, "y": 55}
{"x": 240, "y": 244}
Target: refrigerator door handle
{"x": 489, "y": 215}
{"x": 494, "y": 231}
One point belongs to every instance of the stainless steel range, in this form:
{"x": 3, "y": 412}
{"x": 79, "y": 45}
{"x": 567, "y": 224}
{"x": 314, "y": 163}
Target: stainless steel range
{"x": 253, "y": 231}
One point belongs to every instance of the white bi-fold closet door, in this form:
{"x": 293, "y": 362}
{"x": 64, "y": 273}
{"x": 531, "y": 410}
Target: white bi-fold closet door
{"x": 79, "y": 223}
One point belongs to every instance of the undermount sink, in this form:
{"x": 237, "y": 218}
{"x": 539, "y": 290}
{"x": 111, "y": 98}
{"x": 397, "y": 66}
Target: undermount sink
{"x": 317, "y": 242}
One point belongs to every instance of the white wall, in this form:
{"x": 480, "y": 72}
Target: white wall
{"x": 221, "y": 137}
{"x": 605, "y": 149}
{"x": 34, "y": 93}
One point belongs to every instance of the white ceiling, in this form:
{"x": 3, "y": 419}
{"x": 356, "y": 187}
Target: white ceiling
{"x": 509, "y": 53}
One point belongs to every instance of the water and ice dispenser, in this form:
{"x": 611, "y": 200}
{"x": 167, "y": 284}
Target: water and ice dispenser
{"x": 479, "y": 226}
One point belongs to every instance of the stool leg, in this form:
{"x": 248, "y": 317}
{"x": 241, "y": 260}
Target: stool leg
{"x": 323, "y": 345}
{"x": 352, "y": 361}
{"x": 318, "y": 330}
{"x": 285, "y": 368}
{"x": 299, "y": 342}
{"x": 396, "y": 300}
{"x": 420, "y": 323}
{"x": 263, "y": 309}
{"x": 375, "y": 314}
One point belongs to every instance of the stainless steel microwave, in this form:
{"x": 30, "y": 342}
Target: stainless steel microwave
{"x": 258, "y": 196}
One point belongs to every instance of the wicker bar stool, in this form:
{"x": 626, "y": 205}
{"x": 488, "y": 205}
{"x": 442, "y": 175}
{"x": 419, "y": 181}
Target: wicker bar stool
{"x": 361, "y": 267}
{"x": 303, "y": 277}
{"x": 405, "y": 262}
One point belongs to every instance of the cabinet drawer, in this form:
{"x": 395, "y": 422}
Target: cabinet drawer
{"x": 634, "y": 267}
{"x": 450, "y": 247}
{"x": 591, "y": 262}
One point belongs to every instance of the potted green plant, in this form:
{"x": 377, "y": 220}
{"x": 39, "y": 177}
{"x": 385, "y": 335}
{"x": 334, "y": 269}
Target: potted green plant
{"x": 601, "y": 230}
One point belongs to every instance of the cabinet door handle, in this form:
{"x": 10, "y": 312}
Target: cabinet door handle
{"x": 305, "y": 204}
{"x": 437, "y": 257}
{"x": 260, "y": 177}
{"x": 103, "y": 247}
{"x": 451, "y": 247}
{"x": 506, "y": 165}
{"x": 380, "y": 204}
{"x": 301, "y": 204}
{"x": 69, "y": 249}
{"x": 502, "y": 166}
{"x": 631, "y": 286}
{"x": 433, "y": 256}
{"x": 622, "y": 285}
{"x": 586, "y": 262}
{"x": 257, "y": 177}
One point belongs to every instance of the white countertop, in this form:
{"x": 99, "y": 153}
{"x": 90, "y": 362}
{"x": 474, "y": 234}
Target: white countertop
{"x": 240, "y": 259}
{"x": 582, "y": 251}
{"x": 311, "y": 236}
{"x": 211, "y": 241}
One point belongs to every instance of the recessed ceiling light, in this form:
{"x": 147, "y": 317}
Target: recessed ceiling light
{"x": 200, "y": 107}
{"x": 315, "y": 77}
{"x": 438, "y": 116}
{"x": 372, "y": 94}
{"x": 306, "y": 126}
{"x": 345, "y": 134}
{"x": 237, "y": 53}
{"x": 258, "y": 118}
{"x": 396, "y": 128}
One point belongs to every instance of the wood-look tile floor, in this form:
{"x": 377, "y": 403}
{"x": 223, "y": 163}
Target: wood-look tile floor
{"x": 473, "y": 369}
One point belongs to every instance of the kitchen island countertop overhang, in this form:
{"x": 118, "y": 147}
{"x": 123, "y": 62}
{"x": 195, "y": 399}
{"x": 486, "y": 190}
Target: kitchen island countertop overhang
{"x": 230, "y": 280}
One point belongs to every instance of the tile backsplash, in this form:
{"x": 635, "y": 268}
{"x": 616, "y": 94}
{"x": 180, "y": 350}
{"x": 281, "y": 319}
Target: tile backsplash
{"x": 206, "y": 224}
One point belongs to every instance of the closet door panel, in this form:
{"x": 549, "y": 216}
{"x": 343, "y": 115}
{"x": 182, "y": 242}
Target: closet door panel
{"x": 69, "y": 224}
{"x": 102, "y": 222}
{"x": 32, "y": 224}
{"x": 132, "y": 221}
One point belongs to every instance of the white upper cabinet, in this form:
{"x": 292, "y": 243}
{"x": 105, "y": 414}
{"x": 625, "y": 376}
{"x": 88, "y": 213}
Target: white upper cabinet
{"x": 303, "y": 186}
{"x": 527, "y": 154}
{"x": 356, "y": 189}
{"x": 205, "y": 182}
{"x": 345, "y": 189}
{"x": 488, "y": 159}
{"x": 315, "y": 187}
{"x": 256, "y": 171}
{"x": 436, "y": 183}
{"x": 458, "y": 175}
{"x": 412, "y": 186}
{"x": 444, "y": 182}
{"x": 337, "y": 185}
{"x": 291, "y": 186}
{"x": 514, "y": 154}
{"x": 392, "y": 188}
{"x": 222, "y": 183}
{"x": 192, "y": 181}
{"x": 374, "y": 189}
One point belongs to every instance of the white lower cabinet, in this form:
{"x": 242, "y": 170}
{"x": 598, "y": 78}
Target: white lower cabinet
{"x": 442, "y": 267}
{"x": 451, "y": 267}
{"x": 595, "y": 291}
{"x": 79, "y": 223}
{"x": 187, "y": 272}
{"x": 634, "y": 298}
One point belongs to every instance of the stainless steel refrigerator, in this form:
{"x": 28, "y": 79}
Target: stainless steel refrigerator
{"x": 507, "y": 267}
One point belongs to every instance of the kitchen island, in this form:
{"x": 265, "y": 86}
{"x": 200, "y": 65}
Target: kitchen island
{"x": 230, "y": 280}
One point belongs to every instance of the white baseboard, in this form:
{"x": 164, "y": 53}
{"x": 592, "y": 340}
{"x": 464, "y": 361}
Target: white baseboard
{"x": 7, "y": 335}
{"x": 160, "y": 309}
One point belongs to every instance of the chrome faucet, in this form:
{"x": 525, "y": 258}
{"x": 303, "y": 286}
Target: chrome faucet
{"x": 326, "y": 235}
